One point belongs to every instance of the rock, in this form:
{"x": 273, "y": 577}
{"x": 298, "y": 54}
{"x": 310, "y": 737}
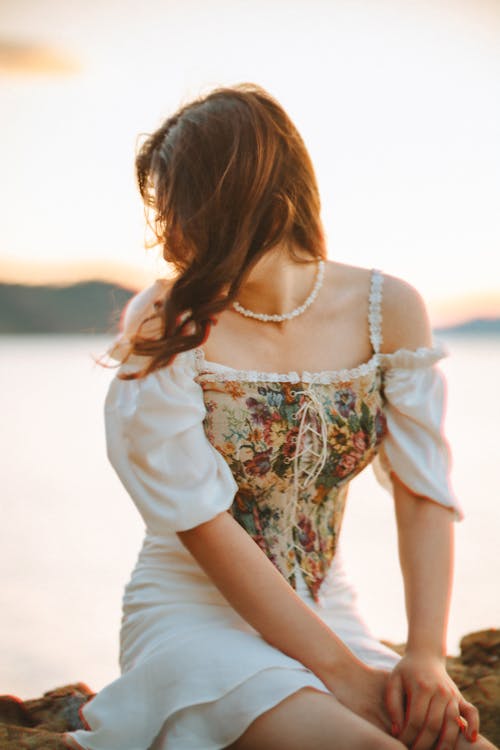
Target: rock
{"x": 57, "y": 710}
{"x": 482, "y": 647}
{"x": 22, "y": 738}
{"x": 38, "y": 724}
{"x": 14, "y": 712}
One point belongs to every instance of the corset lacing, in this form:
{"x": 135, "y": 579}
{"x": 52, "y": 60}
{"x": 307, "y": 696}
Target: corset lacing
{"x": 312, "y": 443}
{"x": 311, "y": 452}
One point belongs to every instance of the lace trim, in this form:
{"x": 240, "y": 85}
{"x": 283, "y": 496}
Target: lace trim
{"x": 375, "y": 310}
{"x": 411, "y": 359}
{"x": 222, "y": 372}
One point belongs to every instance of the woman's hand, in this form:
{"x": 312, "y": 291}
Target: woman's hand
{"x": 424, "y": 704}
{"x": 362, "y": 689}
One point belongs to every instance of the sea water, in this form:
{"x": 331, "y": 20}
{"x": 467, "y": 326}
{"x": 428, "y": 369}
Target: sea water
{"x": 70, "y": 535}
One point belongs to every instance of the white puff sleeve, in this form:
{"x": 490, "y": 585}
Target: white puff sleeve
{"x": 157, "y": 445}
{"x": 414, "y": 447}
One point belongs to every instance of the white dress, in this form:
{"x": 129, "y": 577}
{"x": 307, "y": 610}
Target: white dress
{"x": 194, "y": 674}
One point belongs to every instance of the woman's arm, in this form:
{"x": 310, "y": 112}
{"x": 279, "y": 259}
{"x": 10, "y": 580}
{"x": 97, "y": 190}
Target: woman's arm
{"x": 426, "y": 552}
{"x": 422, "y": 699}
{"x": 260, "y": 594}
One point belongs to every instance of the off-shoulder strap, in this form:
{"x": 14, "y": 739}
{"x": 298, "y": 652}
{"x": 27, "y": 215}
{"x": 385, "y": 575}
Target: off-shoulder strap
{"x": 375, "y": 309}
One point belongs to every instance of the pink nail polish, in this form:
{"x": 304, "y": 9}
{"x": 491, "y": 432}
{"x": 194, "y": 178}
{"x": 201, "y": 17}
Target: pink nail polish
{"x": 474, "y": 735}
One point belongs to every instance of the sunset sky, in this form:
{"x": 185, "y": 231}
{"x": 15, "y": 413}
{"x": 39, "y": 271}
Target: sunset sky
{"x": 398, "y": 102}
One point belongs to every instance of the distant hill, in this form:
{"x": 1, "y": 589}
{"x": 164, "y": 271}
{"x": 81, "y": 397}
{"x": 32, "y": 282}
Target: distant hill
{"x": 88, "y": 307}
{"x": 474, "y": 327}
{"x": 94, "y": 307}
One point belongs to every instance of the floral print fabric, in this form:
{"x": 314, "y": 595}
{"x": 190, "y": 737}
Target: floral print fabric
{"x": 293, "y": 507}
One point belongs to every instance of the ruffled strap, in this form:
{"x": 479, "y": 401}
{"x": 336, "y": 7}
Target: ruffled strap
{"x": 375, "y": 309}
{"x": 413, "y": 359}
{"x": 157, "y": 445}
{"x": 415, "y": 448}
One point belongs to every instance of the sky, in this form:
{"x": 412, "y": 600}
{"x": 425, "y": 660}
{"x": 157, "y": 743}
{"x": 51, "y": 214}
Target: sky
{"x": 398, "y": 102}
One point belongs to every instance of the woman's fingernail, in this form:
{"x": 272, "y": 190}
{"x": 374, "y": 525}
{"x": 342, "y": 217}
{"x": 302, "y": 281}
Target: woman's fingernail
{"x": 474, "y": 735}
{"x": 394, "y": 729}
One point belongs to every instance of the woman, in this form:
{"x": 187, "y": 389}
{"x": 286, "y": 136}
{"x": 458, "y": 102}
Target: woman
{"x": 237, "y": 444}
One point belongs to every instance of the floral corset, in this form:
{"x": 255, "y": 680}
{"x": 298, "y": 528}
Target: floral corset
{"x": 293, "y": 446}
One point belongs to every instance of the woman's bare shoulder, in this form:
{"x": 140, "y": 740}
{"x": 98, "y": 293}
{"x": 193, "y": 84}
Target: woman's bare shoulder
{"x": 405, "y": 318}
{"x": 141, "y": 306}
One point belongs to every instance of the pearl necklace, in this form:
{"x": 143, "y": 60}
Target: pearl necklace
{"x": 293, "y": 314}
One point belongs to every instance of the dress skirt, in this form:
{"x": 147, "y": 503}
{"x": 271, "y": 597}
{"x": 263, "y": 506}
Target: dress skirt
{"x": 194, "y": 674}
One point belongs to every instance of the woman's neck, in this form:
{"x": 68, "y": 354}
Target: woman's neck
{"x": 277, "y": 284}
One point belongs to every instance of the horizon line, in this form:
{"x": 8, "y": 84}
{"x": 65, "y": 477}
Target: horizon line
{"x": 443, "y": 312}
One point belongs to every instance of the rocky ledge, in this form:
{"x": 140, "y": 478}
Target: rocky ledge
{"x": 39, "y": 723}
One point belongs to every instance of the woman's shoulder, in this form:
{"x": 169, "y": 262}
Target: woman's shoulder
{"x": 141, "y": 306}
{"x": 405, "y": 322}
{"x": 139, "y": 312}
{"x": 405, "y": 318}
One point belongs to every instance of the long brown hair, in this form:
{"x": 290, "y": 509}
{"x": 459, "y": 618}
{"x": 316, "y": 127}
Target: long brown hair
{"x": 227, "y": 178}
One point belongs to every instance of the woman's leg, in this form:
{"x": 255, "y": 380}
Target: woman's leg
{"x": 312, "y": 719}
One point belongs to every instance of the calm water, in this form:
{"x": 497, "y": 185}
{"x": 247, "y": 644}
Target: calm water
{"x": 69, "y": 533}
